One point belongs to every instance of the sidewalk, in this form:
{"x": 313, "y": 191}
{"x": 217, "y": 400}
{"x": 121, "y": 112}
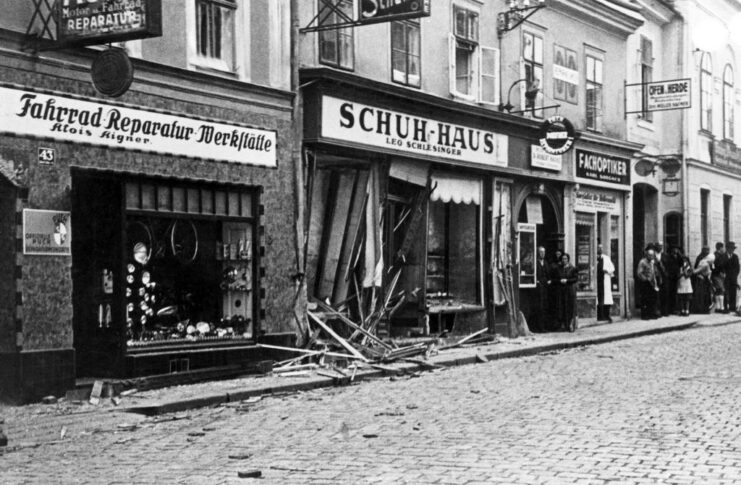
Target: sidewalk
{"x": 36, "y": 424}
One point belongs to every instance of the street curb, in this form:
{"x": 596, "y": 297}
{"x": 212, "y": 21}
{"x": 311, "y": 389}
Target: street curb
{"x": 323, "y": 382}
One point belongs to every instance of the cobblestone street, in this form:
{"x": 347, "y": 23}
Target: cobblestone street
{"x": 658, "y": 409}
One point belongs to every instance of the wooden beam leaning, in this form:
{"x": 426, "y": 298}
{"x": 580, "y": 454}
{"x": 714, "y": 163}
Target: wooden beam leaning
{"x": 339, "y": 339}
{"x": 328, "y": 309}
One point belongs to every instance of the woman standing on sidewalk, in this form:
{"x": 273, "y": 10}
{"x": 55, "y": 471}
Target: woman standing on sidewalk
{"x": 566, "y": 278}
{"x": 684, "y": 286}
{"x": 702, "y": 300}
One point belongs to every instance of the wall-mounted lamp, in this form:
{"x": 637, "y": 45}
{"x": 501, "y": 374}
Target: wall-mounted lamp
{"x": 519, "y": 11}
{"x": 530, "y": 94}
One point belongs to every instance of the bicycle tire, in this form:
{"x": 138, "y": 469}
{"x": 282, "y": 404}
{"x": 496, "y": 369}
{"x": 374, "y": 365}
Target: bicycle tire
{"x": 184, "y": 242}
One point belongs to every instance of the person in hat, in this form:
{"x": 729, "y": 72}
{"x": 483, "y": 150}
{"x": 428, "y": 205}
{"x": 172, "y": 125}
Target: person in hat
{"x": 732, "y": 271}
{"x": 718, "y": 277}
{"x": 647, "y": 287}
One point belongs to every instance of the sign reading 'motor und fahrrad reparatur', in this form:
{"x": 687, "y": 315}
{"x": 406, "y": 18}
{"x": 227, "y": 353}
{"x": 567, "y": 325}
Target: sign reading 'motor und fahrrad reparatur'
{"x": 85, "y": 22}
{"x": 28, "y": 113}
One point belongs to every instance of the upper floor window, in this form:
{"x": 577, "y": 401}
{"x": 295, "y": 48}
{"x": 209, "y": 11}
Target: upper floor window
{"x": 706, "y": 92}
{"x": 728, "y": 97}
{"x": 405, "y": 52}
{"x": 594, "y": 93}
{"x": 336, "y": 45}
{"x": 532, "y": 56}
{"x": 474, "y": 69}
{"x": 215, "y": 33}
{"x": 647, "y": 72}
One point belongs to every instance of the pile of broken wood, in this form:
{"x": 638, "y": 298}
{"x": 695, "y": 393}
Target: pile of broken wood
{"x": 328, "y": 350}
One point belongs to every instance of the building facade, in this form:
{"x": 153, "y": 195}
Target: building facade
{"x": 150, "y": 232}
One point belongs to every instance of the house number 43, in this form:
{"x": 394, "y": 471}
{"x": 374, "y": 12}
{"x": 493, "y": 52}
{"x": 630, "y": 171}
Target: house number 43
{"x": 46, "y": 156}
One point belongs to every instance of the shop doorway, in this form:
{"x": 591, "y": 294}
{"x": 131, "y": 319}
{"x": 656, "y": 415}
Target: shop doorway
{"x": 673, "y": 233}
{"x": 645, "y": 220}
{"x": 537, "y": 210}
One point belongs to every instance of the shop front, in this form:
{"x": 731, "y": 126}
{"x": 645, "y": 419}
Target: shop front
{"x": 601, "y": 204}
{"x": 403, "y": 206}
{"x": 155, "y": 240}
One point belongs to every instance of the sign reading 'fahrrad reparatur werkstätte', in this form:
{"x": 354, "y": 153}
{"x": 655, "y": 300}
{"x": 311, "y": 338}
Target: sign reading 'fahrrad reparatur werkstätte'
{"x": 85, "y": 22}
{"x": 28, "y": 113}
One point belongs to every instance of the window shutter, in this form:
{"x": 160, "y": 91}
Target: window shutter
{"x": 451, "y": 63}
{"x": 489, "y": 75}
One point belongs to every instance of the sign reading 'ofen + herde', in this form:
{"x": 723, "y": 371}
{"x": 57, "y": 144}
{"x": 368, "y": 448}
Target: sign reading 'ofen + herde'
{"x": 63, "y": 118}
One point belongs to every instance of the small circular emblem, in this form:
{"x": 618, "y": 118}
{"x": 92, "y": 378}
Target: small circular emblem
{"x": 112, "y": 72}
{"x": 556, "y": 135}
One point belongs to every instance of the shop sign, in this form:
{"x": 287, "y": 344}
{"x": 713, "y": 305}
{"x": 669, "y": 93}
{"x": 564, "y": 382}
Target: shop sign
{"x": 597, "y": 201}
{"x": 726, "y": 154}
{"x": 601, "y": 167}
{"x": 46, "y": 233}
{"x": 540, "y": 158}
{"x": 665, "y": 95}
{"x": 378, "y": 127}
{"x": 376, "y": 11}
{"x": 556, "y": 135}
{"x": 86, "y": 22}
{"x": 74, "y": 120}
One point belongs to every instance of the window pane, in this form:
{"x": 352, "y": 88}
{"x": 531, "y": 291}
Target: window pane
{"x": 590, "y": 68}
{"x": 328, "y": 46}
{"x": 148, "y": 197}
{"x": 194, "y": 205}
{"x": 220, "y": 202}
{"x": 246, "y": 205}
{"x": 463, "y": 70}
{"x": 346, "y": 50}
{"x": 527, "y": 47}
{"x": 132, "y": 195}
{"x": 397, "y": 35}
{"x": 538, "y": 50}
{"x": 178, "y": 199}
{"x": 163, "y": 198}
{"x": 233, "y": 204}
{"x": 207, "y": 201}
{"x": 598, "y": 71}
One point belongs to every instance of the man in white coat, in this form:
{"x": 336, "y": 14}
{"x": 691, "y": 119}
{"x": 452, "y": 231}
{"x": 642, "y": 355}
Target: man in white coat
{"x": 605, "y": 272}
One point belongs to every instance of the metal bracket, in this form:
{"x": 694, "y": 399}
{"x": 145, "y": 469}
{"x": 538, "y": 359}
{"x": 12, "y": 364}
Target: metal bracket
{"x": 44, "y": 12}
{"x": 512, "y": 18}
{"x": 328, "y": 7}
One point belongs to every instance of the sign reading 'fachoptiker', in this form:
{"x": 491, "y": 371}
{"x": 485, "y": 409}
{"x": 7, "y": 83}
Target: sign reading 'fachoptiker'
{"x": 68, "y": 119}
{"x": 605, "y": 168}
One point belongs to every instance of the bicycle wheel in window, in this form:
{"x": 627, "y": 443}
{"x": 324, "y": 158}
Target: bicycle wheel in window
{"x": 184, "y": 241}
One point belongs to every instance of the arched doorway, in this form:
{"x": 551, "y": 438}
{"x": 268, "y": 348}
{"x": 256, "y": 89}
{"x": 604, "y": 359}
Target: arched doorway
{"x": 540, "y": 212}
{"x": 645, "y": 218}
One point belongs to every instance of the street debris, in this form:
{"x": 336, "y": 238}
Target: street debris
{"x": 249, "y": 474}
{"x": 240, "y": 456}
{"x": 339, "y": 347}
{"x": 49, "y": 400}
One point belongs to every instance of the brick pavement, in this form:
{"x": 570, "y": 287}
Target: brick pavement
{"x": 660, "y": 409}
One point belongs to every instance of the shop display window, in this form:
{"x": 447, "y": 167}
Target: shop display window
{"x": 585, "y": 252}
{"x": 188, "y": 264}
{"x": 453, "y": 252}
{"x": 526, "y": 254}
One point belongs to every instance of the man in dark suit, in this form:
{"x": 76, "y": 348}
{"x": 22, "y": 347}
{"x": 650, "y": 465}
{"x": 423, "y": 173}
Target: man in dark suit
{"x": 732, "y": 271}
{"x": 542, "y": 278}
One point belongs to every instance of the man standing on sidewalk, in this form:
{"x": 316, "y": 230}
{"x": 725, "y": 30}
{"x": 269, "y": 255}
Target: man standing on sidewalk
{"x": 732, "y": 270}
{"x": 605, "y": 271}
{"x": 648, "y": 287}
{"x": 718, "y": 277}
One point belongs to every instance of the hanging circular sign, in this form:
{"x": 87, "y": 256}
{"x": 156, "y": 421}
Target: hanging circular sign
{"x": 556, "y": 135}
{"x": 112, "y": 72}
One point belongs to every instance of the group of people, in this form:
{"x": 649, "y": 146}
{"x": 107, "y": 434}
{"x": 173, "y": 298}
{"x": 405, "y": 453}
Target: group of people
{"x": 667, "y": 283}
{"x": 555, "y": 305}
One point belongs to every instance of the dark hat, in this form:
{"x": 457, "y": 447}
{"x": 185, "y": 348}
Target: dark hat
{"x": 731, "y": 245}
{"x": 718, "y": 245}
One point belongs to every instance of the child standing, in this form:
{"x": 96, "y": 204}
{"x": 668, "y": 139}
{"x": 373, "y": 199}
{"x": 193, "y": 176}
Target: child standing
{"x": 684, "y": 286}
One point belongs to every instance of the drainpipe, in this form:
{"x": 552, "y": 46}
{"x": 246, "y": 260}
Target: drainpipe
{"x": 684, "y": 135}
{"x": 299, "y": 183}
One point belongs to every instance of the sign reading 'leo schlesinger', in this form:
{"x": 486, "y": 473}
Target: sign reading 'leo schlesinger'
{"x": 101, "y": 21}
{"x": 605, "y": 168}
{"x": 69, "y": 119}
{"x": 379, "y": 127}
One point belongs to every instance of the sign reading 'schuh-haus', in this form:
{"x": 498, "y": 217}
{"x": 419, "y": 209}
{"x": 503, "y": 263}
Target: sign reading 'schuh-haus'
{"x": 29, "y": 113}
{"x": 402, "y": 132}
{"x": 601, "y": 167}
{"x": 85, "y": 22}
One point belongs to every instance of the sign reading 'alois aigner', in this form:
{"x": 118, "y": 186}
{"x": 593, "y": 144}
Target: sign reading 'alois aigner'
{"x": 86, "y": 22}
{"x": 605, "y": 168}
